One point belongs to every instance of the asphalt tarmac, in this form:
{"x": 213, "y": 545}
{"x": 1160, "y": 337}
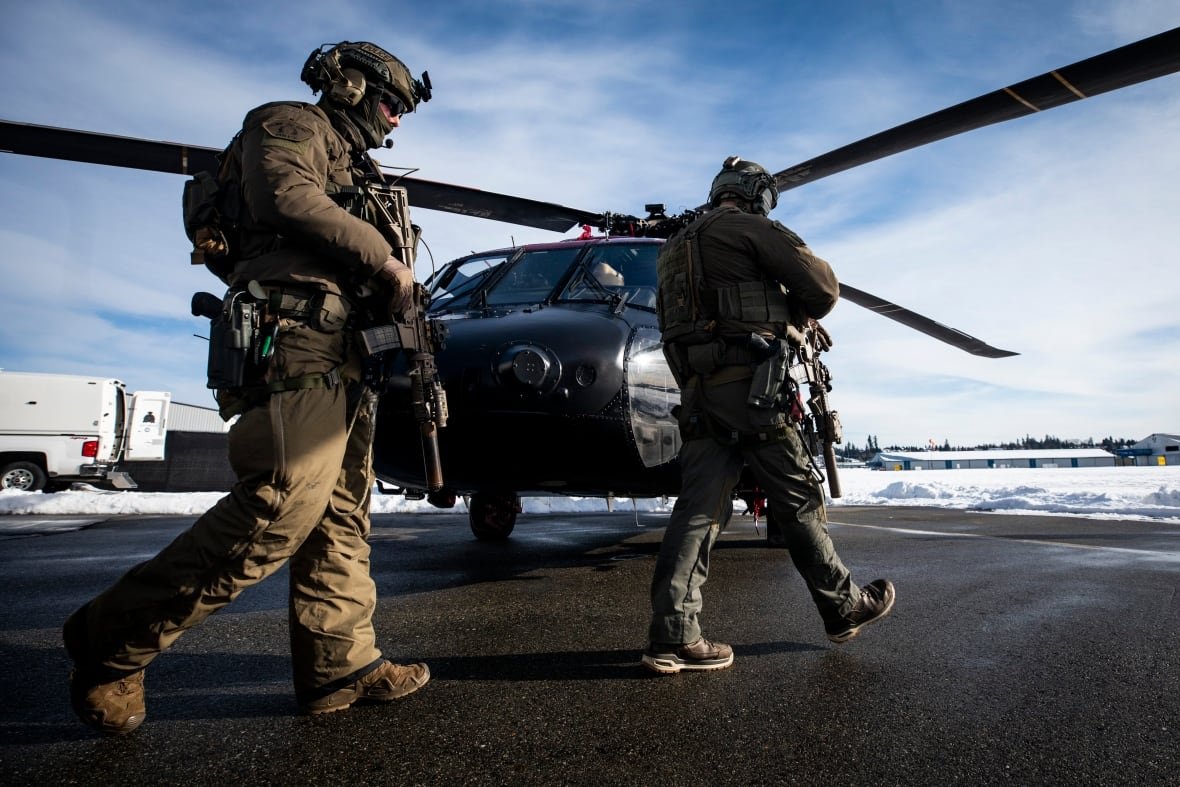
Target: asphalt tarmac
{"x": 1022, "y": 650}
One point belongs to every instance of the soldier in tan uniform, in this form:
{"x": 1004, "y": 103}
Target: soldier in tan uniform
{"x": 302, "y": 447}
{"x": 731, "y": 273}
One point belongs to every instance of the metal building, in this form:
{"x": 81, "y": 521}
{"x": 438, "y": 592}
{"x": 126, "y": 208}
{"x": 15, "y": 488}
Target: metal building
{"x": 961, "y": 460}
{"x": 192, "y": 418}
{"x": 1157, "y": 450}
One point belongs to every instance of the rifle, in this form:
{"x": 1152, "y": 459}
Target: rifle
{"x": 822, "y": 423}
{"x": 786, "y": 366}
{"x": 410, "y": 331}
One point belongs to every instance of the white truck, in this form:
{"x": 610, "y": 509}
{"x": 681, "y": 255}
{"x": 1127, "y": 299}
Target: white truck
{"x": 56, "y": 429}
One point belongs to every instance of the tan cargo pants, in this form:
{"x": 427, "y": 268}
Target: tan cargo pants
{"x": 302, "y": 495}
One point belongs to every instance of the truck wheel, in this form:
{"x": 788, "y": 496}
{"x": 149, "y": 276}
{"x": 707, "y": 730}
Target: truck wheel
{"x": 23, "y": 477}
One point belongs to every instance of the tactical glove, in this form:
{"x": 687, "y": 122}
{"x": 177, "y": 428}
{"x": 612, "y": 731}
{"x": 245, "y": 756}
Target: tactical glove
{"x": 401, "y": 281}
{"x": 823, "y": 339}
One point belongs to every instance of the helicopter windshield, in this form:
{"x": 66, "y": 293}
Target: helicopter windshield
{"x": 617, "y": 271}
{"x": 611, "y": 271}
{"x": 455, "y": 281}
{"x": 532, "y": 277}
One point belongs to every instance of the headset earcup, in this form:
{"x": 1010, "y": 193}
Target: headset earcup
{"x": 348, "y": 87}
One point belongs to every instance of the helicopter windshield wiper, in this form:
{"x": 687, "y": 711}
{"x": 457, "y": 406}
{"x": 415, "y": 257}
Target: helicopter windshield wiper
{"x": 584, "y": 287}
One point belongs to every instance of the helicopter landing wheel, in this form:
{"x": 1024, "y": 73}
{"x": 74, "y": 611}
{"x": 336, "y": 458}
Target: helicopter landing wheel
{"x": 493, "y": 515}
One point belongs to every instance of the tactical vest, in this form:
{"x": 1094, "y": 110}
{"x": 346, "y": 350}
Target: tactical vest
{"x": 689, "y": 310}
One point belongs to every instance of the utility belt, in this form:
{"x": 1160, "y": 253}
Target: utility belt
{"x": 244, "y": 330}
{"x": 324, "y": 311}
{"x": 708, "y": 359}
{"x": 765, "y": 364}
{"x": 702, "y": 426}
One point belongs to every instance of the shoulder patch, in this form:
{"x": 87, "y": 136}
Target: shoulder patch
{"x": 795, "y": 239}
{"x": 287, "y": 129}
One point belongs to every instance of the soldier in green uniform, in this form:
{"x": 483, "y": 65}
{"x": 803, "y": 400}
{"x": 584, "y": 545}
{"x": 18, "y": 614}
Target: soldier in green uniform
{"x": 734, "y": 272}
{"x": 302, "y": 448}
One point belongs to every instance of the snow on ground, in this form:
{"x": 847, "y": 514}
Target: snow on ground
{"x": 1099, "y": 492}
{"x": 1096, "y": 492}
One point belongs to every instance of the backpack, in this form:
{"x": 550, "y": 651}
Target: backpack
{"x": 212, "y": 206}
{"x": 682, "y": 315}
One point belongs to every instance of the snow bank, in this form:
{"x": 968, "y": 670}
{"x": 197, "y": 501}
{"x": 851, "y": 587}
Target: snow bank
{"x": 1099, "y": 492}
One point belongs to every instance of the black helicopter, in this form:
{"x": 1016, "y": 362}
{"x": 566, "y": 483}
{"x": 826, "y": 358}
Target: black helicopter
{"x": 551, "y": 362}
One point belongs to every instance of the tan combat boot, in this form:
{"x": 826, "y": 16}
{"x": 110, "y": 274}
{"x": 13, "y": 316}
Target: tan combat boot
{"x": 668, "y": 659}
{"x": 875, "y": 602}
{"x": 116, "y": 707}
{"x": 386, "y": 683}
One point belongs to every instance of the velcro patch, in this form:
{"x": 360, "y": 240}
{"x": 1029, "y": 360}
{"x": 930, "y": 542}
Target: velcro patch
{"x": 287, "y": 129}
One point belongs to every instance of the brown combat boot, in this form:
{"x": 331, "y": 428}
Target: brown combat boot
{"x": 386, "y": 683}
{"x": 702, "y": 655}
{"x": 875, "y": 602}
{"x": 115, "y": 707}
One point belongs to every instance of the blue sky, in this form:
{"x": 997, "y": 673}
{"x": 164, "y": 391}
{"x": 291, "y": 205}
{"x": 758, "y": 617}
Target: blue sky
{"x": 1054, "y": 235}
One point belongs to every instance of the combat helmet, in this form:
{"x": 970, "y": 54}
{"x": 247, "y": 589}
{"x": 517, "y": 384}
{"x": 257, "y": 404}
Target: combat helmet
{"x": 355, "y": 76}
{"x": 746, "y": 182}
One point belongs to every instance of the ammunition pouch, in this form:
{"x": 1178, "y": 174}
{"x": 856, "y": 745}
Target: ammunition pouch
{"x": 324, "y": 311}
{"x": 704, "y": 359}
{"x": 753, "y": 302}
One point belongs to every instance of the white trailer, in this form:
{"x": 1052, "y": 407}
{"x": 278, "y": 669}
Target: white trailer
{"x": 56, "y": 429}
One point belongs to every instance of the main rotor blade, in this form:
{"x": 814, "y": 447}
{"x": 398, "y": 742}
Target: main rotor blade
{"x": 1141, "y": 61}
{"x": 467, "y": 201}
{"x": 926, "y": 325}
{"x": 172, "y": 157}
{"x": 92, "y": 148}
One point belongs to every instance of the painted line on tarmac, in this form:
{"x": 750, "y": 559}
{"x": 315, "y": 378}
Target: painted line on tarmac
{"x": 1147, "y": 553}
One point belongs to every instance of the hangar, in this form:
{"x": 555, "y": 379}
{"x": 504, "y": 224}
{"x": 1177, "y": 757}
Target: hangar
{"x": 1025, "y": 457}
{"x": 1157, "y": 450}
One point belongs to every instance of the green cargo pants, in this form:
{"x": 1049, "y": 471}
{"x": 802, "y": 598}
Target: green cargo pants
{"x": 302, "y": 495}
{"x": 710, "y": 468}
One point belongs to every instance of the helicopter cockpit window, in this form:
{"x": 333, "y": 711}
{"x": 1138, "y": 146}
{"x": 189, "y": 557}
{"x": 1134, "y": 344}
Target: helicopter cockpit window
{"x": 455, "y": 282}
{"x": 617, "y": 270}
{"x": 532, "y": 277}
